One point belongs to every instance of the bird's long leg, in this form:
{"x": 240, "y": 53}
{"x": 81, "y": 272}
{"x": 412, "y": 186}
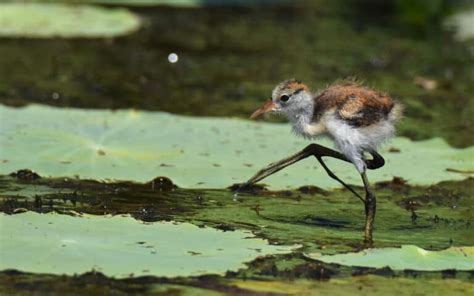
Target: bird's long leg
{"x": 370, "y": 207}
{"x": 313, "y": 149}
{"x": 277, "y": 166}
{"x": 332, "y": 175}
{"x": 376, "y": 162}
{"x": 370, "y": 202}
{"x": 319, "y": 152}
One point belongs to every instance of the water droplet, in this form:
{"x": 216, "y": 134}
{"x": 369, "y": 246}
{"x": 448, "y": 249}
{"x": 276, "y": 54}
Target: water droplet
{"x": 173, "y": 58}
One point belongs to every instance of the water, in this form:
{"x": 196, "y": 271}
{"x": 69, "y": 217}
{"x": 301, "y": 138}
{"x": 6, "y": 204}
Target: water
{"x": 230, "y": 59}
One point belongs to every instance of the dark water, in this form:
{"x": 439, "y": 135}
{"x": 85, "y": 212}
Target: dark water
{"x": 442, "y": 210}
{"x": 231, "y": 57}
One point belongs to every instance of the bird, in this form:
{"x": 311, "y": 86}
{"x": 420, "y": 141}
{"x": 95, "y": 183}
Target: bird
{"x": 357, "y": 118}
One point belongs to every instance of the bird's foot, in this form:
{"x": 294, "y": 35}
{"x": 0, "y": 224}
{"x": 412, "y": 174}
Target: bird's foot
{"x": 247, "y": 187}
{"x": 370, "y": 207}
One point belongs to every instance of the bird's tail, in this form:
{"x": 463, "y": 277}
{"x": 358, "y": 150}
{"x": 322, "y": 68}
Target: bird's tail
{"x": 396, "y": 113}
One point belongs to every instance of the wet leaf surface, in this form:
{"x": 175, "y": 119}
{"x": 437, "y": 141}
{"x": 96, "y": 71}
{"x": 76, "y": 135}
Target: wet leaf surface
{"x": 137, "y": 145}
{"x": 121, "y": 247}
{"x": 406, "y": 257}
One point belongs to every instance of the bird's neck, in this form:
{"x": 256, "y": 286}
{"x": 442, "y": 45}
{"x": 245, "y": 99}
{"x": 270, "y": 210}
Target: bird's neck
{"x": 302, "y": 116}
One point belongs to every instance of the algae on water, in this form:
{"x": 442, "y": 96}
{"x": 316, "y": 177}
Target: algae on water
{"x": 432, "y": 217}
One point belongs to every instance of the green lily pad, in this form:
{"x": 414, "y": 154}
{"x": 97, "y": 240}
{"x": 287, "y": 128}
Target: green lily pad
{"x": 185, "y": 3}
{"x": 120, "y": 246}
{"x": 194, "y": 152}
{"x": 45, "y": 20}
{"x": 406, "y": 257}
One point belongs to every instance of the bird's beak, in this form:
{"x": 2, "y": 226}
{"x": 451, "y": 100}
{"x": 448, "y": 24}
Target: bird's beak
{"x": 267, "y": 107}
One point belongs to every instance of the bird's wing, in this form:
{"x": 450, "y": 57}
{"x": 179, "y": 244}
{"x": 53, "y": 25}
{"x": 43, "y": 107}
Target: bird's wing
{"x": 355, "y": 104}
{"x": 364, "y": 110}
{"x": 351, "y": 109}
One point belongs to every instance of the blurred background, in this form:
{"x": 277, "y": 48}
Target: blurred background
{"x": 222, "y": 58}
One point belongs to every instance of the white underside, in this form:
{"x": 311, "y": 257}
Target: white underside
{"x": 351, "y": 141}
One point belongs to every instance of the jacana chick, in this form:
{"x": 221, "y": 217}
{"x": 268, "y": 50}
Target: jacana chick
{"x": 358, "y": 119}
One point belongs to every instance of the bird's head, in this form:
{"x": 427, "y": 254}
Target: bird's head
{"x": 290, "y": 97}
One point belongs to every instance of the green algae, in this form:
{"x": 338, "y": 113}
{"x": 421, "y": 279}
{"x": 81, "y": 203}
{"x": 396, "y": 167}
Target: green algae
{"x": 194, "y": 152}
{"x": 327, "y": 222}
{"x": 334, "y": 223}
{"x": 170, "y": 289}
{"x": 96, "y": 283}
{"x": 262, "y": 276}
{"x": 368, "y": 285}
{"x": 53, "y": 20}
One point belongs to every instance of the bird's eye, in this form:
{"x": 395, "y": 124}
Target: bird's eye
{"x": 284, "y": 98}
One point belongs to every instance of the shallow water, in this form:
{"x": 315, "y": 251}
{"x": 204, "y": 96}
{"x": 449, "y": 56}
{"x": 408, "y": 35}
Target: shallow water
{"x": 435, "y": 217}
{"x": 324, "y": 222}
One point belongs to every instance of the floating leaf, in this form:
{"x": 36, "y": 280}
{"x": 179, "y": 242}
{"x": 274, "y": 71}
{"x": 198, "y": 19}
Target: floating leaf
{"x": 193, "y": 152}
{"x": 406, "y": 257}
{"x": 120, "y": 246}
{"x": 45, "y": 20}
{"x": 186, "y": 3}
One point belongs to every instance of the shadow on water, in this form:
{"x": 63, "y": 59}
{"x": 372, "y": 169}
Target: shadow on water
{"x": 156, "y": 200}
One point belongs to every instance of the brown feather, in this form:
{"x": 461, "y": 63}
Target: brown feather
{"x": 354, "y": 103}
{"x": 293, "y": 84}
